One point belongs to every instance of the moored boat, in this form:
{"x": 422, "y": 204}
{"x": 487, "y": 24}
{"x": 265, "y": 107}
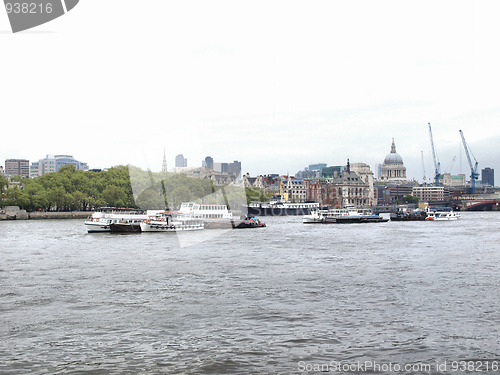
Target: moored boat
{"x": 217, "y": 216}
{"x": 280, "y": 208}
{"x": 345, "y": 215}
{"x": 408, "y": 214}
{"x": 441, "y": 214}
{"x": 101, "y": 220}
{"x": 167, "y": 222}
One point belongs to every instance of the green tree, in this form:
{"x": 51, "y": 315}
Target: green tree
{"x": 410, "y": 199}
{"x": 114, "y": 196}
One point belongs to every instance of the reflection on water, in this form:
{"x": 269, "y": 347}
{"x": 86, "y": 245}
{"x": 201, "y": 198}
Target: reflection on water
{"x": 278, "y": 299}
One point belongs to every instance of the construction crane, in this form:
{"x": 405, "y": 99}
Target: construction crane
{"x": 473, "y": 168}
{"x": 437, "y": 164}
{"x": 423, "y": 164}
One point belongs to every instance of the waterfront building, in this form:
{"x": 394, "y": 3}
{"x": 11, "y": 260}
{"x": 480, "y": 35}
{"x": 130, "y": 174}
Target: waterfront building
{"x": 323, "y": 191}
{"x": 53, "y": 163}
{"x": 255, "y": 182}
{"x": 429, "y": 193}
{"x": 17, "y": 167}
{"x": 488, "y": 176}
{"x": 352, "y": 190}
{"x": 393, "y": 168}
{"x": 292, "y": 189}
{"x": 180, "y": 161}
{"x": 366, "y": 175}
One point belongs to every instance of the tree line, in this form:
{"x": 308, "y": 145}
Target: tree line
{"x": 70, "y": 189}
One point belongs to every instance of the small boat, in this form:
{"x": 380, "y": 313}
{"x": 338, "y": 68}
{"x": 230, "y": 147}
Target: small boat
{"x": 441, "y": 214}
{"x": 346, "y": 215}
{"x": 167, "y": 222}
{"x": 249, "y": 222}
{"x": 408, "y": 214}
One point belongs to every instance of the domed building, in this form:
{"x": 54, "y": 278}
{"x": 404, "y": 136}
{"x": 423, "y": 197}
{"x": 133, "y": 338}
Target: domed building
{"x": 393, "y": 168}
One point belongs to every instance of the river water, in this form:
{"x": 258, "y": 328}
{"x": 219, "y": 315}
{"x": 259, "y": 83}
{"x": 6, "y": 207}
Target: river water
{"x": 288, "y": 298}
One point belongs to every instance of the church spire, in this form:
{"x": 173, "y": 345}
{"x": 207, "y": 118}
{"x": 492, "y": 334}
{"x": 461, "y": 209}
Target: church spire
{"x": 393, "y": 147}
{"x": 164, "y": 165}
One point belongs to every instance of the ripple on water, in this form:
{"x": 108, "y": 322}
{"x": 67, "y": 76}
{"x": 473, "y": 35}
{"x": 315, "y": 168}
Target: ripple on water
{"x": 246, "y": 301}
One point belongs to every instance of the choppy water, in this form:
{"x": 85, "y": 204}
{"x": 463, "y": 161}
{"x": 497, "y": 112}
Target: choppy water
{"x": 288, "y": 298}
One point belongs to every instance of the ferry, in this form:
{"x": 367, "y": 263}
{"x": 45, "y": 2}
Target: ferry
{"x": 441, "y": 214}
{"x": 101, "y": 220}
{"x": 217, "y": 216}
{"x": 168, "y": 222}
{"x": 280, "y": 208}
{"x": 349, "y": 214}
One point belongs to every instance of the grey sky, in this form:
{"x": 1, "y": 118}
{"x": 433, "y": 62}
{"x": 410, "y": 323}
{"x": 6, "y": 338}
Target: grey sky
{"x": 277, "y": 85}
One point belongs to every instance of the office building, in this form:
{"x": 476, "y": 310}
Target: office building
{"x": 208, "y": 162}
{"x": 180, "y": 161}
{"x": 488, "y": 176}
{"x": 53, "y": 163}
{"x": 17, "y": 167}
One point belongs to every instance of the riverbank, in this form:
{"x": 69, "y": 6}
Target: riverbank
{"x": 15, "y": 213}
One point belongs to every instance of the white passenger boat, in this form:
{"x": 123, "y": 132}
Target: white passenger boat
{"x": 349, "y": 214}
{"x": 167, "y": 222}
{"x": 101, "y": 221}
{"x": 441, "y": 214}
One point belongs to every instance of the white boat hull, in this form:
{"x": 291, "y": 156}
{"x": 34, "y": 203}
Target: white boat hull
{"x": 160, "y": 226}
{"x": 97, "y": 226}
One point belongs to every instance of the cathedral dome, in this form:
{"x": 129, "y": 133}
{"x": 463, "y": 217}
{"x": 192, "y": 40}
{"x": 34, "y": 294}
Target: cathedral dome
{"x": 393, "y": 157}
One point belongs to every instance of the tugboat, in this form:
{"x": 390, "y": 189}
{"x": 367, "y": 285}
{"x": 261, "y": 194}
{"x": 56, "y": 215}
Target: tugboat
{"x": 249, "y": 222}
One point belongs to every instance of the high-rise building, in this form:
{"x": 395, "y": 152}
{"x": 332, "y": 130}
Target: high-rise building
{"x": 209, "y": 162}
{"x": 234, "y": 168}
{"x": 488, "y": 176}
{"x": 317, "y": 167}
{"x": 17, "y": 167}
{"x": 180, "y": 161}
{"x": 53, "y": 163}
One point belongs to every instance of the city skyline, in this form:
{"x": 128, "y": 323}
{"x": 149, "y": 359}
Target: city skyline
{"x": 278, "y": 90}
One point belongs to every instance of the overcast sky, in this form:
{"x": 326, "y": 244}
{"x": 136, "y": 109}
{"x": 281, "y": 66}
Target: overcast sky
{"x": 277, "y": 85}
